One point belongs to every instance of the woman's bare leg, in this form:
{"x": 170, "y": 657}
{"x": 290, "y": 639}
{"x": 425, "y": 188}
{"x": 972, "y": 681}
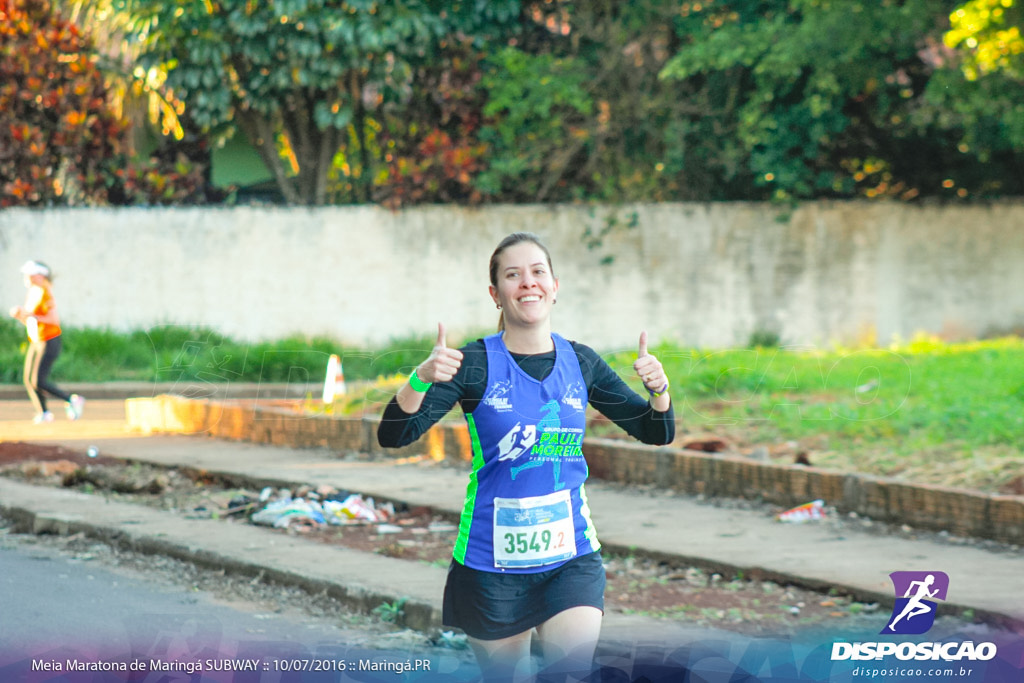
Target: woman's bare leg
{"x": 568, "y": 641}
{"x": 504, "y": 660}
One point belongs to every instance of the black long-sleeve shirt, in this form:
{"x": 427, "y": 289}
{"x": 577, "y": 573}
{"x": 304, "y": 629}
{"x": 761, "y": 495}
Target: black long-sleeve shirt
{"x": 606, "y": 391}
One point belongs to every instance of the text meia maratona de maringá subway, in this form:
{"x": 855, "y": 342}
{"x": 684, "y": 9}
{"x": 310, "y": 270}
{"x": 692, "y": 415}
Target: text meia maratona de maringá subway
{"x": 188, "y": 667}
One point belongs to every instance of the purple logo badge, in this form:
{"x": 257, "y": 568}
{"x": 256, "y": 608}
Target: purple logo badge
{"x": 916, "y": 595}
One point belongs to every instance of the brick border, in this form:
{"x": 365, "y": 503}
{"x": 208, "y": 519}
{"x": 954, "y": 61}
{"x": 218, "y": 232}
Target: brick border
{"x": 958, "y": 511}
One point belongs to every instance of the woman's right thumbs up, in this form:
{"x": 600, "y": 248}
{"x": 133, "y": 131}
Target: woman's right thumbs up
{"x": 443, "y": 362}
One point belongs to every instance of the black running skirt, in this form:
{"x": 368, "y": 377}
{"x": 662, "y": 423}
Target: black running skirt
{"x": 493, "y": 605}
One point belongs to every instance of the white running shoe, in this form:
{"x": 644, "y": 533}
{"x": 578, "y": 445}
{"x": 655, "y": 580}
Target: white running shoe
{"x": 73, "y": 408}
{"x": 43, "y": 417}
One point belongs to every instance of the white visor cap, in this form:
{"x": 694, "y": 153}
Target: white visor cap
{"x": 35, "y": 268}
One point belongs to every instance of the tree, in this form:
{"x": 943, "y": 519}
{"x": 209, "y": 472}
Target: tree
{"x": 137, "y": 94}
{"x": 990, "y": 33}
{"x": 303, "y": 78}
{"x": 164, "y": 158}
{"x": 576, "y": 110}
{"x": 57, "y": 130}
{"x": 977, "y": 84}
{"x": 430, "y": 141}
{"x": 538, "y": 107}
{"x": 831, "y": 97}
{"x": 651, "y": 137}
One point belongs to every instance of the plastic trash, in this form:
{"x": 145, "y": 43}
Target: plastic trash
{"x": 241, "y": 505}
{"x": 271, "y": 512}
{"x": 334, "y": 495}
{"x": 334, "y": 513}
{"x": 804, "y": 513}
{"x": 358, "y": 508}
{"x": 287, "y": 511}
{"x": 284, "y": 508}
{"x": 455, "y": 641}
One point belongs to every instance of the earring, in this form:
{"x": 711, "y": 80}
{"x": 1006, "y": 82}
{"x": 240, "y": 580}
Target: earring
{"x": 498, "y": 306}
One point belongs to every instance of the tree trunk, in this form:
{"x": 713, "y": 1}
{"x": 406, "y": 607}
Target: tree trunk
{"x": 361, "y": 183}
{"x": 261, "y": 134}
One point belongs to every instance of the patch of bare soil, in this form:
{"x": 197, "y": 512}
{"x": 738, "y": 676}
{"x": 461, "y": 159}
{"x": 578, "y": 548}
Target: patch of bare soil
{"x": 636, "y": 584}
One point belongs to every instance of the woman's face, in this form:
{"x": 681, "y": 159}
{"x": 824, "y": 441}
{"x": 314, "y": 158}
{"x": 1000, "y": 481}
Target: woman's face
{"x": 525, "y": 288}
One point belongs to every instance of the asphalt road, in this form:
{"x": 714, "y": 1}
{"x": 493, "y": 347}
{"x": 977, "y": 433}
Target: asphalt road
{"x": 64, "y": 608}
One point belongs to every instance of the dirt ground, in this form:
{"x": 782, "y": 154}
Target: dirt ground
{"x": 636, "y": 584}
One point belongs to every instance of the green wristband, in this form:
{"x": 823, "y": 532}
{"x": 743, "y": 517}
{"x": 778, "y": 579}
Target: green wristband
{"x": 417, "y": 384}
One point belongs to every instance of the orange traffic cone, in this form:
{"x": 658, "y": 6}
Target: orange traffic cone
{"x": 334, "y": 383}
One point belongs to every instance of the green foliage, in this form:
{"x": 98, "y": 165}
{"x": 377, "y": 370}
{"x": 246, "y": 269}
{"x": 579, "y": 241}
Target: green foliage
{"x": 391, "y": 612}
{"x": 536, "y": 109}
{"x": 57, "y": 129}
{"x": 89, "y": 353}
{"x": 431, "y": 141}
{"x": 302, "y": 78}
{"x": 154, "y": 181}
{"x": 138, "y": 93}
{"x": 989, "y": 31}
{"x": 977, "y": 85}
{"x": 576, "y": 111}
{"x": 182, "y": 354}
{"x": 830, "y": 95}
{"x": 467, "y": 102}
{"x": 764, "y": 339}
{"x": 12, "y": 350}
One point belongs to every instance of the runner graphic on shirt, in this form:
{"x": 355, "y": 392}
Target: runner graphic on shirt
{"x": 550, "y": 422}
{"x": 573, "y": 396}
{"x": 518, "y": 441}
{"x": 497, "y": 396}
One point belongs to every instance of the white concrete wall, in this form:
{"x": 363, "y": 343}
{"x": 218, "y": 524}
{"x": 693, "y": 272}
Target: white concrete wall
{"x": 701, "y": 274}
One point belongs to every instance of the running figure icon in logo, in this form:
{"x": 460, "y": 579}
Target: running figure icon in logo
{"x": 915, "y": 608}
{"x": 549, "y": 421}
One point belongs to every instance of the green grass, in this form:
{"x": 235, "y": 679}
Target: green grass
{"x": 945, "y": 413}
{"x": 925, "y": 409}
{"x": 939, "y": 392}
{"x": 175, "y": 353}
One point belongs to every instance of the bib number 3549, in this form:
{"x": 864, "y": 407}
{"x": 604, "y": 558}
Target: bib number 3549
{"x": 532, "y": 532}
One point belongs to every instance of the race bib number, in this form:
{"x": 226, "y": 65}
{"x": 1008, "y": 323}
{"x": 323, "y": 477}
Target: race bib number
{"x": 533, "y": 532}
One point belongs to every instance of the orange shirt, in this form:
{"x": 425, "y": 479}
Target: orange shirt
{"x": 40, "y": 302}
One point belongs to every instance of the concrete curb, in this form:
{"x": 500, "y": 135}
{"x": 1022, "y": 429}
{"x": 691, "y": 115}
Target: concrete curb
{"x": 934, "y": 508}
{"x": 360, "y": 581}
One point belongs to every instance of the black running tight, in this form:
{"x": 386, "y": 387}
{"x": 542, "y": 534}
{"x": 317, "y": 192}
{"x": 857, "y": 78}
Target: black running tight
{"x": 38, "y": 362}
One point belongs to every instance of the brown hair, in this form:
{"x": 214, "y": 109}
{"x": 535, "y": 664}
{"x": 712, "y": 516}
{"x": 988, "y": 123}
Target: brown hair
{"x": 510, "y": 241}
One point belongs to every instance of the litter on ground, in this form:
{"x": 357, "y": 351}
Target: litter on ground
{"x": 804, "y": 513}
{"x": 281, "y": 510}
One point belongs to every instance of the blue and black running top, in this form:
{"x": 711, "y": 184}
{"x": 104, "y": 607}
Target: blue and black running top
{"x": 526, "y": 507}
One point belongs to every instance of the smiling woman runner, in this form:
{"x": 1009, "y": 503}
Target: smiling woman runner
{"x": 527, "y": 557}
{"x": 42, "y": 324}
